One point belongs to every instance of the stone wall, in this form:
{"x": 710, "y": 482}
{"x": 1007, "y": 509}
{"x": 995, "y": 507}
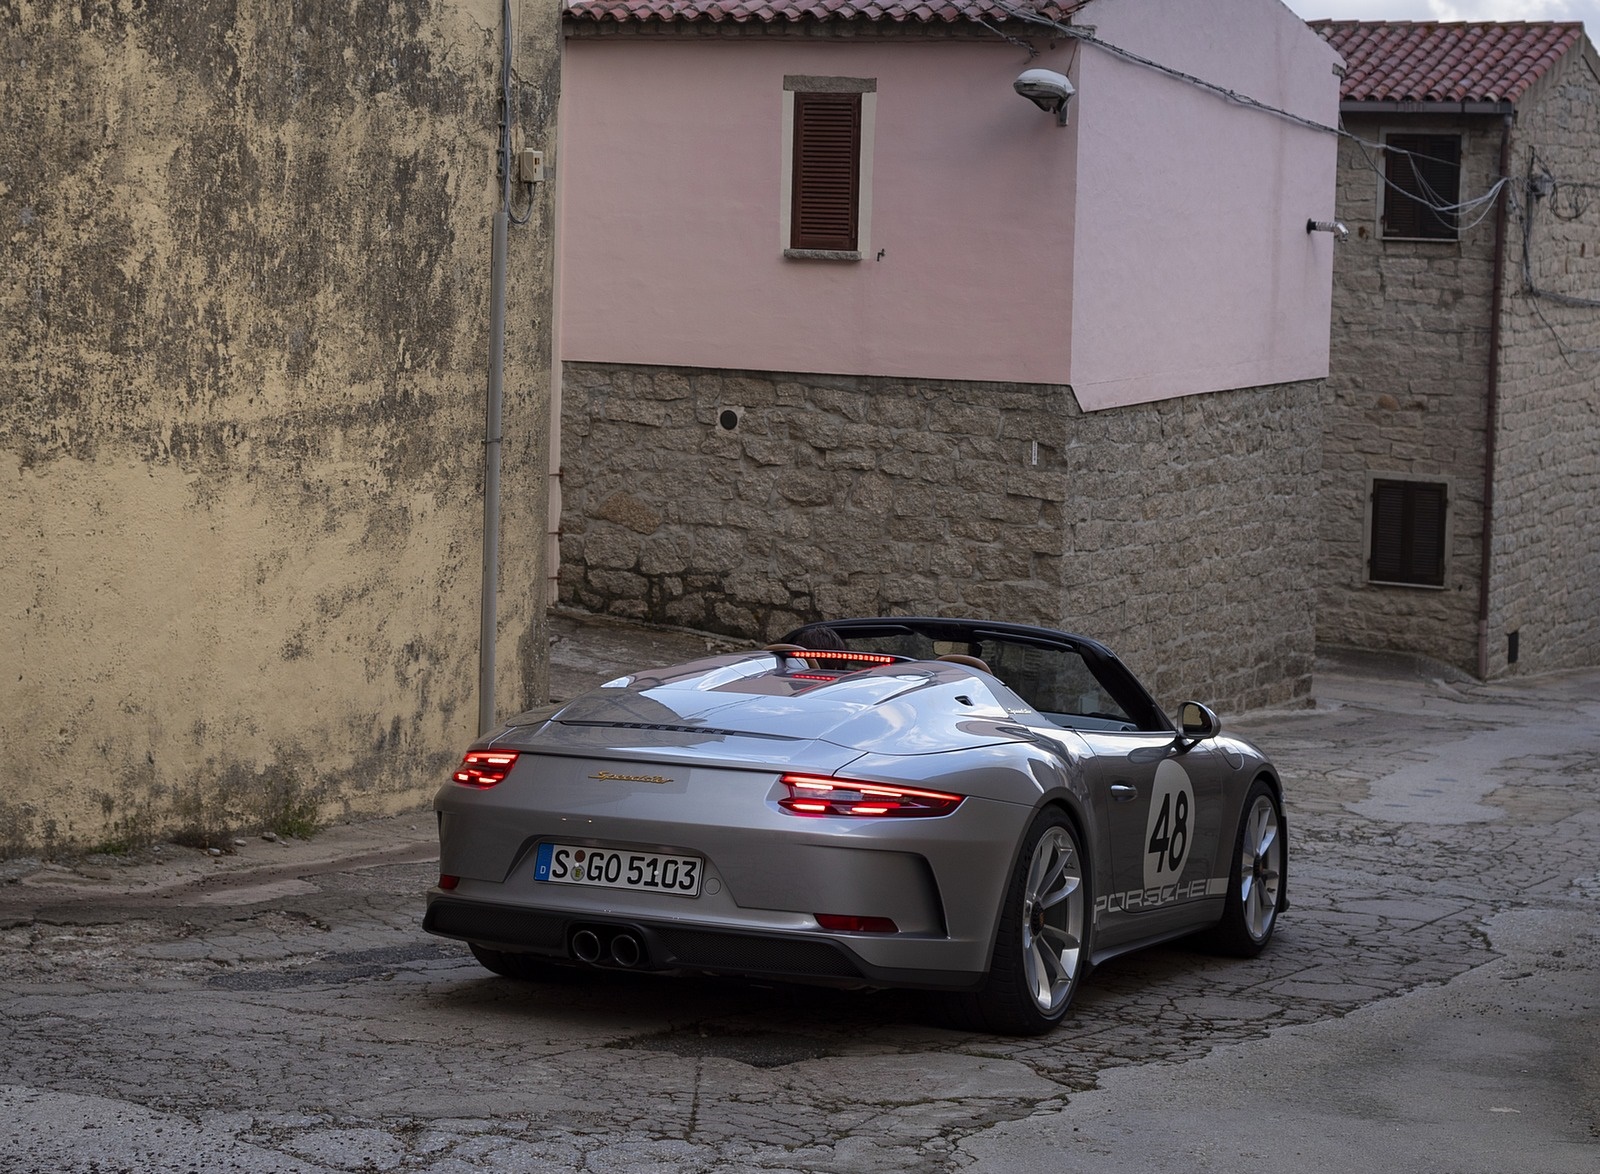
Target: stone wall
{"x": 1406, "y": 396}
{"x": 1407, "y": 392}
{"x": 1181, "y": 533}
{"x": 244, "y": 257}
{"x": 1547, "y": 469}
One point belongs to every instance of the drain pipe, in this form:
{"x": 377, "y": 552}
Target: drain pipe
{"x": 1492, "y": 401}
{"x": 488, "y": 621}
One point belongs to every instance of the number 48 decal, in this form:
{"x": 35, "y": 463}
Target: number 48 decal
{"x": 1169, "y": 828}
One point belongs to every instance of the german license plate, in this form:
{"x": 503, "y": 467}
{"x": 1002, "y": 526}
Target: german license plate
{"x": 568, "y": 864}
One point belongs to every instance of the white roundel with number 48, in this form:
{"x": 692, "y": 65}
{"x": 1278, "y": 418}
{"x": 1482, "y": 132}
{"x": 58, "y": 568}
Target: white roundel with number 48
{"x": 1169, "y": 828}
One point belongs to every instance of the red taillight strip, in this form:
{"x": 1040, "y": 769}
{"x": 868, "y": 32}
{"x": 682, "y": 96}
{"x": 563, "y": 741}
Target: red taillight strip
{"x": 816, "y": 795}
{"x": 485, "y": 768}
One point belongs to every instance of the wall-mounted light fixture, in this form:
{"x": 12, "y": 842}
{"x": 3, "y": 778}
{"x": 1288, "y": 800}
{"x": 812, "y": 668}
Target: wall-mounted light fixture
{"x": 1046, "y": 89}
{"x": 1340, "y": 232}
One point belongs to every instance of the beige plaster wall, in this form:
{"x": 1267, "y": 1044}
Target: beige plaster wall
{"x": 244, "y": 262}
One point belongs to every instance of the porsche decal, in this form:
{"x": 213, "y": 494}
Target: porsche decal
{"x": 1152, "y": 898}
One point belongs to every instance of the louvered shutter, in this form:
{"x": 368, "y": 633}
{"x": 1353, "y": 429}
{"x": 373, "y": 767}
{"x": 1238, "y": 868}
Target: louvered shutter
{"x": 1428, "y": 176}
{"x": 827, "y": 171}
{"x": 1388, "y": 531}
{"x": 1408, "y": 527}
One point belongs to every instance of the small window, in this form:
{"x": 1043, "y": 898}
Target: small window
{"x": 827, "y": 171}
{"x": 827, "y": 166}
{"x": 1408, "y": 532}
{"x": 1423, "y": 174}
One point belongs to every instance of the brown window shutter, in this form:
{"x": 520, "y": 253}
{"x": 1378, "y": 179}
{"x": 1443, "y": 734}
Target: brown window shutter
{"x": 1408, "y": 526}
{"x": 827, "y": 171}
{"x": 1430, "y": 174}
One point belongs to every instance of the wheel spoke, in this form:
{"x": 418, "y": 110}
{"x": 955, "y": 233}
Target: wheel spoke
{"x": 1049, "y": 862}
{"x": 1063, "y": 936}
{"x": 1069, "y": 886}
{"x": 1050, "y": 961}
{"x": 1260, "y": 909}
{"x": 1064, "y": 946}
{"x": 1036, "y": 963}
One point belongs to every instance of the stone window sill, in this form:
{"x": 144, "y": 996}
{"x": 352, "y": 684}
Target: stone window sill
{"x": 822, "y": 254}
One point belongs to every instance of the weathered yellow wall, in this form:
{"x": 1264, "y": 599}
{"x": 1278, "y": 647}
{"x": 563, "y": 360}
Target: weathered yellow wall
{"x": 244, "y": 289}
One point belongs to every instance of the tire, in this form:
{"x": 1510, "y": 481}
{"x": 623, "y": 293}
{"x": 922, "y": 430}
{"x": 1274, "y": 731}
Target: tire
{"x": 523, "y": 967}
{"x": 1041, "y": 947}
{"x": 1255, "y": 882}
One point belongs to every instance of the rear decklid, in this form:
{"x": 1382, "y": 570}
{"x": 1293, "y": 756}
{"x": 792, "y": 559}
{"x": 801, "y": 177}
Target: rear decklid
{"x": 759, "y": 708}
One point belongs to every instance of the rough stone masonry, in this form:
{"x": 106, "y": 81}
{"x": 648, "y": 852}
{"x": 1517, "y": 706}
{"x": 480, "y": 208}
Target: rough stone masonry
{"x": 1181, "y": 533}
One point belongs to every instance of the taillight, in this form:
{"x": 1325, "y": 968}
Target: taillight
{"x": 485, "y": 768}
{"x": 843, "y": 923}
{"x": 448, "y": 882}
{"x": 856, "y": 658}
{"x": 809, "y": 795}
{"x": 828, "y": 664}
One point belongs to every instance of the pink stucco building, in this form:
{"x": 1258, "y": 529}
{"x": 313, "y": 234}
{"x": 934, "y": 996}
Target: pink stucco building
{"x": 1153, "y": 247}
{"x": 846, "y": 323}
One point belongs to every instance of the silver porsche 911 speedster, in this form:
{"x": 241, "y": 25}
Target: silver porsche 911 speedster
{"x": 982, "y": 809}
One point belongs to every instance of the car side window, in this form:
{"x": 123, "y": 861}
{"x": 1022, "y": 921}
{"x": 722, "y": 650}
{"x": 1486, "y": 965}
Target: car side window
{"x": 1058, "y": 683}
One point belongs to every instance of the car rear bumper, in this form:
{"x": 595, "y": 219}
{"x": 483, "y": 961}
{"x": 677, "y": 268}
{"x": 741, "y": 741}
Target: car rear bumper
{"x": 641, "y": 943}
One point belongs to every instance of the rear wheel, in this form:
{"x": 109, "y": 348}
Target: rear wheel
{"x": 1255, "y": 884}
{"x": 1041, "y": 945}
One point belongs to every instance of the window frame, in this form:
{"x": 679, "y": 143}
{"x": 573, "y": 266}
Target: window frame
{"x": 1409, "y": 504}
{"x": 863, "y": 92}
{"x": 1443, "y": 228}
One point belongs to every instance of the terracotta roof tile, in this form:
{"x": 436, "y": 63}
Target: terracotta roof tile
{"x": 1429, "y": 61}
{"x": 774, "y": 11}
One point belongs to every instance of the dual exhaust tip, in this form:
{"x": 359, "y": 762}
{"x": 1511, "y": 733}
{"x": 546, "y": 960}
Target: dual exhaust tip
{"x": 617, "y": 948}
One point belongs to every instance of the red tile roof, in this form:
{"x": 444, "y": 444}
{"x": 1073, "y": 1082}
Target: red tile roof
{"x": 774, "y": 11}
{"x": 1426, "y": 61}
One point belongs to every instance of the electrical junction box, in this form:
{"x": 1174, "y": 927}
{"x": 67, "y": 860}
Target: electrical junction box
{"x": 530, "y": 166}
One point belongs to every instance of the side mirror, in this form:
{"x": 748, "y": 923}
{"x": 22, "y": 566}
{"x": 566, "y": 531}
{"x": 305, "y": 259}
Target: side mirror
{"x": 1197, "y": 721}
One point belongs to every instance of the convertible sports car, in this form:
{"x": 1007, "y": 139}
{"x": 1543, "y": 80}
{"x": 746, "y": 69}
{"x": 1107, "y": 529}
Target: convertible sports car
{"x": 982, "y": 809}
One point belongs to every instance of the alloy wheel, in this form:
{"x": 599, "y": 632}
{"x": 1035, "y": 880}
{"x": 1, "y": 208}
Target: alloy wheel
{"x": 1052, "y": 920}
{"x": 1260, "y": 867}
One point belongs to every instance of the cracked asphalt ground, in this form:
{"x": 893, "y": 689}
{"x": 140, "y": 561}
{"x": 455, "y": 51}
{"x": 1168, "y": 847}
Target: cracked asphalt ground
{"x": 1431, "y": 1002}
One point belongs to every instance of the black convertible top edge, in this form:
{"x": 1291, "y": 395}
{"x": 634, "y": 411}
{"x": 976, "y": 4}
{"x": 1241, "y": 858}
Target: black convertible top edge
{"x": 1118, "y": 680}
{"x": 1005, "y": 629}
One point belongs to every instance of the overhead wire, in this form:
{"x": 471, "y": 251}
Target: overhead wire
{"x": 1482, "y": 204}
{"x": 1086, "y": 37}
{"x": 1539, "y": 188}
{"x": 1464, "y": 214}
{"x": 1563, "y": 347}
